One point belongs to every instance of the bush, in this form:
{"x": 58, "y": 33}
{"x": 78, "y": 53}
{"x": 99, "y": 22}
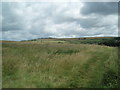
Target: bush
{"x": 111, "y": 42}
{"x": 66, "y": 51}
{"x": 110, "y": 79}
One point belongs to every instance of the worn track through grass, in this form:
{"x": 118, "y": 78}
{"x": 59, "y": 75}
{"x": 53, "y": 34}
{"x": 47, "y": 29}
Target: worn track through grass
{"x": 52, "y": 65}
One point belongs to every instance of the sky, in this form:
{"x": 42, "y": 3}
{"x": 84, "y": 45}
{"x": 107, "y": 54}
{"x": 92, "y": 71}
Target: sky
{"x": 31, "y": 20}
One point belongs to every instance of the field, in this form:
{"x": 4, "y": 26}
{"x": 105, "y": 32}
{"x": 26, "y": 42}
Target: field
{"x": 51, "y": 63}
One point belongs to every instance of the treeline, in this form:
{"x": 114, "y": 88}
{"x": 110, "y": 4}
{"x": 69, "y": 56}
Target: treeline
{"x": 112, "y": 41}
{"x": 115, "y": 42}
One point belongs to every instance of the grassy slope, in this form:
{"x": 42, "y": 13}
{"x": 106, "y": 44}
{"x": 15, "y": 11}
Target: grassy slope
{"x": 58, "y": 65}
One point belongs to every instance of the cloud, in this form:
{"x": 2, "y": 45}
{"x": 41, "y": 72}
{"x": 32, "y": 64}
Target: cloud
{"x": 22, "y": 21}
{"x": 103, "y": 8}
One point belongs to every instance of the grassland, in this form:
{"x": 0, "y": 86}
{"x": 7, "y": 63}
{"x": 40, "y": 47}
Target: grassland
{"x": 59, "y": 64}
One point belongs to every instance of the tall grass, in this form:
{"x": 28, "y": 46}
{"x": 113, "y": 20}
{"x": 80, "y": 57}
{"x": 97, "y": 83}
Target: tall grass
{"x": 53, "y": 65}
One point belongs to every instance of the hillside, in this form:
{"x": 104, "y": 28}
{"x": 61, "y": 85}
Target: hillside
{"x": 107, "y": 41}
{"x": 58, "y": 64}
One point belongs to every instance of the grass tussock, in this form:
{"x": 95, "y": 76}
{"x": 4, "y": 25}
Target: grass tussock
{"x": 47, "y": 65}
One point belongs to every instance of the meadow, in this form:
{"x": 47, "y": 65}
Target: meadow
{"x": 58, "y": 64}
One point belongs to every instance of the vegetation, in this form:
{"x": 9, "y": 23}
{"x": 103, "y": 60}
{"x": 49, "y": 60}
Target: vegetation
{"x": 111, "y": 41}
{"x": 30, "y": 64}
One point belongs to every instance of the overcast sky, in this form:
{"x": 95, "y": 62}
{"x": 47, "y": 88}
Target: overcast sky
{"x": 23, "y": 21}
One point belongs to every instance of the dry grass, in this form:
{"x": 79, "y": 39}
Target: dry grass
{"x": 51, "y": 65}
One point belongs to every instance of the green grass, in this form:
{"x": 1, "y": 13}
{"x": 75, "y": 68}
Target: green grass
{"x": 56, "y": 65}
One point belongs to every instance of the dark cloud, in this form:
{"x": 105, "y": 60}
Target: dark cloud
{"x": 11, "y": 21}
{"x": 88, "y": 22}
{"x": 104, "y": 8}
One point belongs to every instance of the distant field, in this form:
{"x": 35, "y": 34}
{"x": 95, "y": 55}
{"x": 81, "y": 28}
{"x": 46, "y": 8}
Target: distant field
{"x": 51, "y": 63}
{"x": 50, "y": 41}
{"x": 108, "y": 41}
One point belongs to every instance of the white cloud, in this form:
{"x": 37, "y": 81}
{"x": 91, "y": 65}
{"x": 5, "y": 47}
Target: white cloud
{"x": 35, "y": 20}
